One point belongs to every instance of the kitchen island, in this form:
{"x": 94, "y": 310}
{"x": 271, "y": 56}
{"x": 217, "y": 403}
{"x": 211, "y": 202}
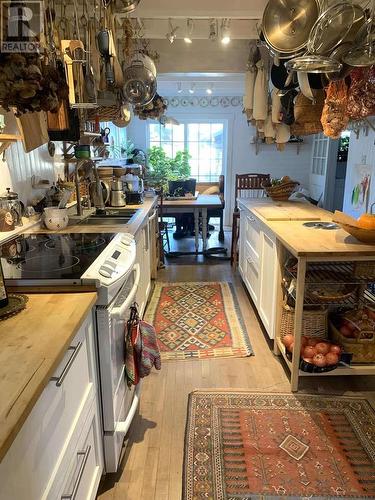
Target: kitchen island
{"x": 269, "y": 233}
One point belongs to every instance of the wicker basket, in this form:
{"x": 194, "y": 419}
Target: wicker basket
{"x": 364, "y": 269}
{"x": 363, "y": 350}
{"x": 347, "y": 293}
{"x": 314, "y": 322}
{"x": 281, "y": 192}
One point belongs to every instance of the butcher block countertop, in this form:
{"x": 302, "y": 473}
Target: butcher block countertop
{"x": 301, "y": 240}
{"x": 132, "y": 227}
{"x": 32, "y": 344}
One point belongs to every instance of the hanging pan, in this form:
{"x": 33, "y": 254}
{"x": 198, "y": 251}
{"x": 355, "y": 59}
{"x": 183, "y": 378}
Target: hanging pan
{"x": 335, "y": 25}
{"x": 338, "y": 55}
{"x": 286, "y": 24}
{"x": 313, "y": 64}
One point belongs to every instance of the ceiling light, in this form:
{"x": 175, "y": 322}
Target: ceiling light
{"x": 192, "y": 88}
{"x": 179, "y": 87}
{"x": 189, "y": 31}
{"x": 210, "y": 89}
{"x": 225, "y": 33}
{"x": 213, "y": 30}
{"x": 171, "y": 35}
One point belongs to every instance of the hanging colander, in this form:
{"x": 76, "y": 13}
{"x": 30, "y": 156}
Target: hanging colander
{"x": 140, "y": 80}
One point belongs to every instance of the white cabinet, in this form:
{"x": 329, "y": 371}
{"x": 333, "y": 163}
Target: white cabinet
{"x": 268, "y": 273}
{"x": 143, "y": 258}
{"x": 36, "y": 463}
{"x": 258, "y": 266}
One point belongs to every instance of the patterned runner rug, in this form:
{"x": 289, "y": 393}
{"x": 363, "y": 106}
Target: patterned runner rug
{"x": 198, "y": 320}
{"x": 242, "y": 445}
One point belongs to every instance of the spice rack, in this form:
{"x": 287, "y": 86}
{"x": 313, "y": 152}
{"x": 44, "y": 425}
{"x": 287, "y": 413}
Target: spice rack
{"x": 310, "y": 272}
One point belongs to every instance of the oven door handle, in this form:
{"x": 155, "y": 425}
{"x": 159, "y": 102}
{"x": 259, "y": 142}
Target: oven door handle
{"x": 120, "y": 311}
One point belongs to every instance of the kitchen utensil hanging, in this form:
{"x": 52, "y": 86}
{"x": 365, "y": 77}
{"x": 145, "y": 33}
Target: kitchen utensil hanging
{"x": 338, "y": 55}
{"x": 126, "y": 6}
{"x": 364, "y": 55}
{"x": 286, "y": 24}
{"x": 140, "y": 80}
{"x": 313, "y": 64}
{"x": 333, "y": 26}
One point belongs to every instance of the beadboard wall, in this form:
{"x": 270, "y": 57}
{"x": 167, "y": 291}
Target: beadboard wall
{"x": 18, "y": 167}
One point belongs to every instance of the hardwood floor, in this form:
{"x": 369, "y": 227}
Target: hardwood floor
{"x": 152, "y": 465}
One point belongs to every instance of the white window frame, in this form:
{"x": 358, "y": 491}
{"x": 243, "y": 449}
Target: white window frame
{"x": 186, "y": 120}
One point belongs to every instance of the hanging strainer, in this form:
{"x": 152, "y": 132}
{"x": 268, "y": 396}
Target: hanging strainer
{"x": 140, "y": 80}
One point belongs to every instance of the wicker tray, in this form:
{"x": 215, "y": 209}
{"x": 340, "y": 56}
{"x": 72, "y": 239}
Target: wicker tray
{"x": 281, "y": 192}
{"x": 348, "y": 292}
{"x": 16, "y": 303}
{"x": 314, "y": 322}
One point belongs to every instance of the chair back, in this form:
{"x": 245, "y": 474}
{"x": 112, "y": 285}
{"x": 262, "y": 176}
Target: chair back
{"x": 250, "y": 186}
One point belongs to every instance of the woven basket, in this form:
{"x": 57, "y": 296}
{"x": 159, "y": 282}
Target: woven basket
{"x": 314, "y": 322}
{"x": 364, "y": 269}
{"x": 281, "y": 192}
{"x": 347, "y": 293}
{"x": 105, "y": 113}
{"x": 307, "y": 115}
{"x": 363, "y": 350}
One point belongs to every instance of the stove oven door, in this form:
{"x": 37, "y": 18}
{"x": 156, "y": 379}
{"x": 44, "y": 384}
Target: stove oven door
{"x": 119, "y": 403}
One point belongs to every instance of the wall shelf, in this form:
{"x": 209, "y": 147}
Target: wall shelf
{"x": 7, "y": 139}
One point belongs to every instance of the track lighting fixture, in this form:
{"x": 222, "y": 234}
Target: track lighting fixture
{"x": 213, "y": 30}
{"x": 171, "y": 35}
{"x": 192, "y": 88}
{"x": 189, "y": 31}
{"x": 225, "y": 32}
{"x": 210, "y": 88}
{"x": 179, "y": 87}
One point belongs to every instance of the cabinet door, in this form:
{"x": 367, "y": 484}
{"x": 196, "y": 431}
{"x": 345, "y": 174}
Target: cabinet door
{"x": 253, "y": 237}
{"x": 267, "y": 295}
{"x": 252, "y": 277}
{"x": 241, "y": 245}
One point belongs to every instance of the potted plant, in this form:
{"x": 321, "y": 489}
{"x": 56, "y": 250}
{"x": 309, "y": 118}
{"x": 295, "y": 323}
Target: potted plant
{"x": 163, "y": 168}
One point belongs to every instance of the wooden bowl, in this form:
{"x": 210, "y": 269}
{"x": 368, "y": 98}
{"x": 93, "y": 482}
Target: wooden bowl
{"x": 363, "y": 235}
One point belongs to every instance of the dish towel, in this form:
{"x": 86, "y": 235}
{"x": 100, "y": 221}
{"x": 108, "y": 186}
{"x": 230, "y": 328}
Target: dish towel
{"x": 142, "y": 350}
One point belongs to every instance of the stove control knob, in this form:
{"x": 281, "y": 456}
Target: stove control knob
{"x": 127, "y": 239}
{"x": 107, "y": 269}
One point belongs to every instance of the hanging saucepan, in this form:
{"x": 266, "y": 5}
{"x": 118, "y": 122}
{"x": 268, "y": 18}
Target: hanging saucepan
{"x": 333, "y": 26}
{"x": 140, "y": 80}
{"x": 313, "y": 64}
{"x": 286, "y": 25}
{"x": 361, "y": 57}
{"x": 279, "y": 78}
{"x": 338, "y": 55}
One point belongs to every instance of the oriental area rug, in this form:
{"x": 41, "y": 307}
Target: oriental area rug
{"x": 242, "y": 445}
{"x": 198, "y": 321}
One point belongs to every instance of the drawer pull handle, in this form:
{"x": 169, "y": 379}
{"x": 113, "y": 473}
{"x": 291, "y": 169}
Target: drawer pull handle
{"x": 59, "y": 380}
{"x": 81, "y": 470}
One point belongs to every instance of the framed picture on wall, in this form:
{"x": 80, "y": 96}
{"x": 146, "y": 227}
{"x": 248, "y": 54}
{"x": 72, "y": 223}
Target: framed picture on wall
{"x": 360, "y": 188}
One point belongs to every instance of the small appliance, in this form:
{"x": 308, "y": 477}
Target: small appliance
{"x": 134, "y": 187}
{"x": 117, "y": 193}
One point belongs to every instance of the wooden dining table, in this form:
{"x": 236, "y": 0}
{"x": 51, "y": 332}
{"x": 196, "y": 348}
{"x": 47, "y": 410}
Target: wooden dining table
{"x": 198, "y": 207}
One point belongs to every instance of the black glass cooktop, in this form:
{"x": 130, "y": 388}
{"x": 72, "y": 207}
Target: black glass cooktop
{"x": 51, "y": 256}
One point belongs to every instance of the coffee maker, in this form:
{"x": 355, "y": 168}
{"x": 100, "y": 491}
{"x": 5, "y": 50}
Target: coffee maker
{"x": 133, "y": 181}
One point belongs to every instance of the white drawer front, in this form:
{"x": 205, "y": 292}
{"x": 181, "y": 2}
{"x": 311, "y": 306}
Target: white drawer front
{"x": 34, "y": 457}
{"x": 85, "y": 468}
{"x": 252, "y": 278}
{"x": 253, "y": 234}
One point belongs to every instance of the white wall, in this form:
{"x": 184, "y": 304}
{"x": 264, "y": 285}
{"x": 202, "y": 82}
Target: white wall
{"x": 361, "y": 152}
{"x": 241, "y": 154}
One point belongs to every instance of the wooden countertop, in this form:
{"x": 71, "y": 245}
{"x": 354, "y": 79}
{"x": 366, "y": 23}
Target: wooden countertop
{"x": 304, "y": 241}
{"x": 32, "y": 344}
{"x": 132, "y": 228}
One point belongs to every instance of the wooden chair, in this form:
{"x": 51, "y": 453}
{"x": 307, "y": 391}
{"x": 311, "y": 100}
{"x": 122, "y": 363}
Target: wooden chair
{"x": 246, "y": 186}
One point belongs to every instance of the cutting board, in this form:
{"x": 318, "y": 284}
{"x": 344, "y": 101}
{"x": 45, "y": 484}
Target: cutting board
{"x": 289, "y": 210}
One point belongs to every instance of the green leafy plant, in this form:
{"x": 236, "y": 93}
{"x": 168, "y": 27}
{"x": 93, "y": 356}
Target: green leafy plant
{"x": 164, "y": 168}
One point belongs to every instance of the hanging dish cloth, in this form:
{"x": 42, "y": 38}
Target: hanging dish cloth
{"x": 260, "y": 102}
{"x": 142, "y": 350}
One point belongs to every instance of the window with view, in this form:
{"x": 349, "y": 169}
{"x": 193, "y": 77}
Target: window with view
{"x": 204, "y": 142}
